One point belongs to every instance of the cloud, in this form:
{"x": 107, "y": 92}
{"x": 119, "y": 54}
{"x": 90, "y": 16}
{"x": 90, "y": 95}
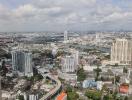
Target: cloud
{"x": 63, "y": 14}
{"x": 118, "y": 16}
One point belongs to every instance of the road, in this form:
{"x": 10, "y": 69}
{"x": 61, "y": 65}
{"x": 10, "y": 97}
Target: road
{"x": 55, "y": 90}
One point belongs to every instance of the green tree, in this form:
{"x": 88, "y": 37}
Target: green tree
{"x": 126, "y": 98}
{"x": 107, "y": 57}
{"x": 81, "y": 76}
{"x": 72, "y": 95}
{"x": 94, "y": 95}
{"x": 108, "y": 97}
{"x": 89, "y": 94}
{"x": 115, "y": 94}
{"x": 125, "y": 70}
{"x": 97, "y": 71}
{"x": 117, "y": 79}
{"x": 69, "y": 89}
{"x": 21, "y": 97}
{"x": 97, "y": 96}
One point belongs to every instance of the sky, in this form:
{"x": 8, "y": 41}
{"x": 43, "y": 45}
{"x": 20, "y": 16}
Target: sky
{"x": 60, "y": 15}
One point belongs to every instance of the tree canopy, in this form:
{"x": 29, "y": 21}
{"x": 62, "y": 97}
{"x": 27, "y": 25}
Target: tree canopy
{"x": 81, "y": 76}
{"x": 94, "y": 95}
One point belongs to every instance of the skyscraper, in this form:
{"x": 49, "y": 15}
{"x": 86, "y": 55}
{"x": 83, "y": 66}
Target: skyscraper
{"x": 75, "y": 54}
{"x": 70, "y": 62}
{"x": 22, "y": 62}
{"x": 121, "y": 51}
{"x": 65, "y": 36}
{"x": 28, "y": 64}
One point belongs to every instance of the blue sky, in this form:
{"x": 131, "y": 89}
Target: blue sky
{"x": 60, "y": 15}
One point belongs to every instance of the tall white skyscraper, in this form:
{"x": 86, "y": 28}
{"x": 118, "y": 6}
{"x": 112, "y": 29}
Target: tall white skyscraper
{"x": 28, "y": 64}
{"x": 68, "y": 64}
{"x": 22, "y": 62}
{"x": 98, "y": 37}
{"x": 121, "y": 51}
{"x": 75, "y": 54}
{"x": 65, "y": 36}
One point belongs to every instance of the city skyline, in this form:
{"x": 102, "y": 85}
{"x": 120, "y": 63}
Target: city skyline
{"x": 60, "y": 15}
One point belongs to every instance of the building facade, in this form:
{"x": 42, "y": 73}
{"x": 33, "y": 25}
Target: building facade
{"x": 33, "y": 97}
{"x": 121, "y": 51}
{"x": 22, "y": 62}
{"x": 68, "y": 64}
{"x": 65, "y": 36}
{"x": 75, "y": 54}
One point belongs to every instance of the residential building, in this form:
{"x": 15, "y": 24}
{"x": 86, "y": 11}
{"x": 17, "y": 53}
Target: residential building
{"x": 67, "y": 76}
{"x": 68, "y": 64}
{"x": 22, "y": 62}
{"x": 33, "y": 97}
{"x": 121, "y": 51}
{"x": 75, "y": 54}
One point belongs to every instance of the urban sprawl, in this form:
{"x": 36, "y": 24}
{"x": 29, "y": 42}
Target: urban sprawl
{"x": 66, "y": 66}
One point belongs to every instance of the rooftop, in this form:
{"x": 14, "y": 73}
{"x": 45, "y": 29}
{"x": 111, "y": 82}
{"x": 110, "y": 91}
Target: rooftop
{"x": 61, "y": 96}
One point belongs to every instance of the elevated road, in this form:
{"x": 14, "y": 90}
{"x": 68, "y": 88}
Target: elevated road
{"x": 53, "y": 91}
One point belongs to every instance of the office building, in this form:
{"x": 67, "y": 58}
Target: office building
{"x": 22, "y": 62}
{"x": 121, "y": 51}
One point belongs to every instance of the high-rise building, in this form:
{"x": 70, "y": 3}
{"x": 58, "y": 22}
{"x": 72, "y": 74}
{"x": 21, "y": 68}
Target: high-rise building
{"x": 22, "y": 62}
{"x": 65, "y": 36}
{"x": 75, "y": 54}
{"x": 33, "y": 97}
{"x": 98, "y": 37}
{"x": 28, "y": 64}
{"x": 121, "y": 51}
{"x": 68, "y": 64}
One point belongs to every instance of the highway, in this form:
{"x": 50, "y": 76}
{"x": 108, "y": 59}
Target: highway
{"x": 55, "y": 90}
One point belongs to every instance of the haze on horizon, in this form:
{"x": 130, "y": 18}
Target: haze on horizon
{"x": 59, "y": 15}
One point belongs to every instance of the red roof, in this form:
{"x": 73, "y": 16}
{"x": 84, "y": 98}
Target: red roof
{"x": 124, "y": 89}
{"x": 61, "y": 96}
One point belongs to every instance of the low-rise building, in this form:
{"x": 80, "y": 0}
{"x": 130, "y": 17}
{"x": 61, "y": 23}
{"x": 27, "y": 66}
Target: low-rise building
{"x": 124, "y": 89}
{"x": 89, "y": 83}
{"x": 62, "y": 96}
{"x": 67, "y": 76}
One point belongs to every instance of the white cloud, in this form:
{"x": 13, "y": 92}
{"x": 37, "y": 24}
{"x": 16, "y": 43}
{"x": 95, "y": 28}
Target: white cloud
{"x": 117, "y": 16}
{"x": 53, "y": 14}
{"x": 23, "y": 11}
